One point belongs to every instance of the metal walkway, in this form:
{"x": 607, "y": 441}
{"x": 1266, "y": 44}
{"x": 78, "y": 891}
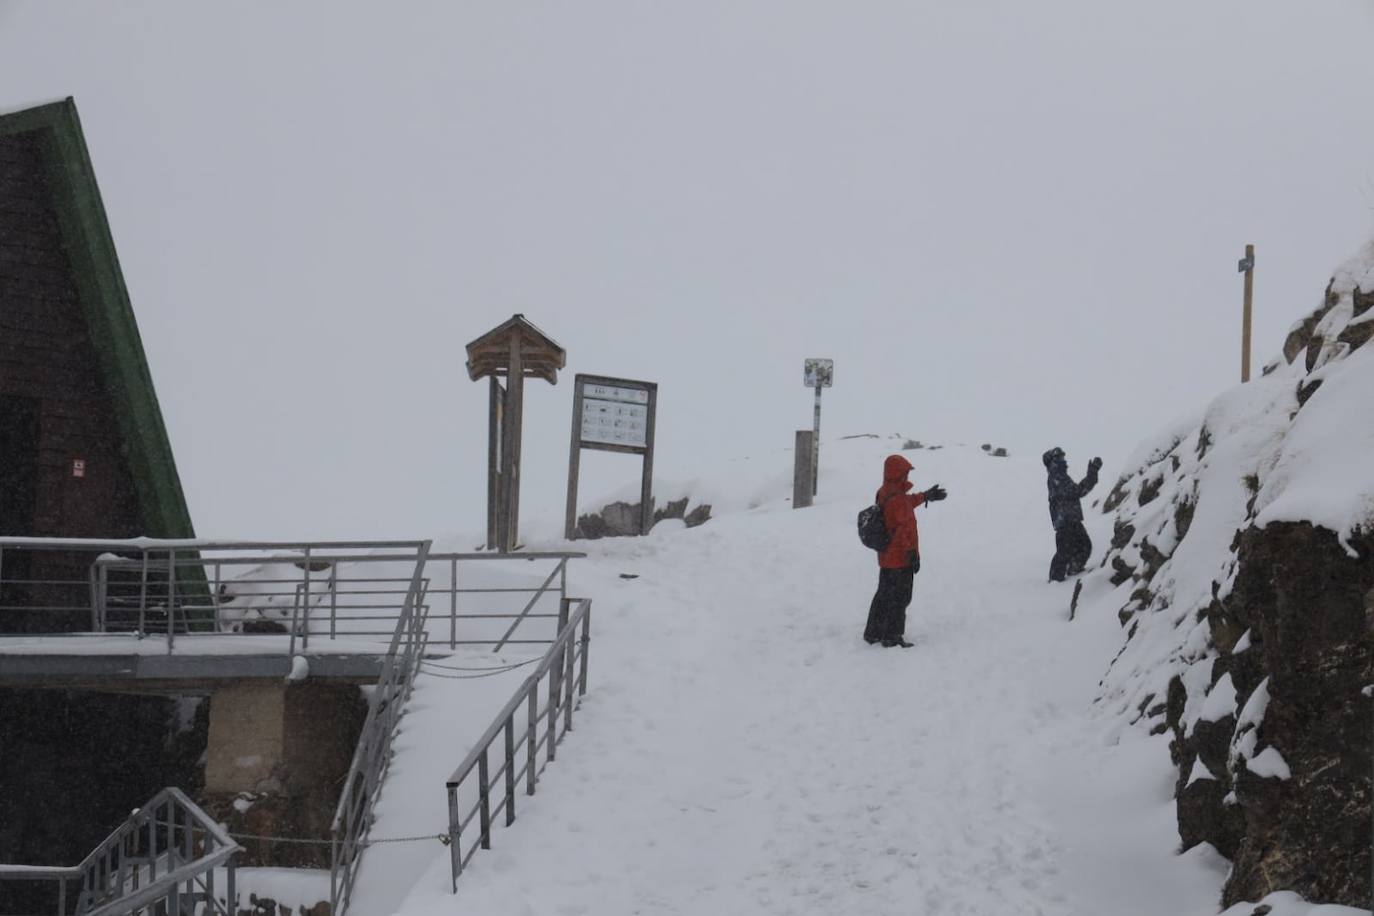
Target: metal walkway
{"x": 186, "y": 617}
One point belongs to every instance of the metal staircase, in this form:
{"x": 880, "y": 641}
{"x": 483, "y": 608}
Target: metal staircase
{"x": 169, "y": 858}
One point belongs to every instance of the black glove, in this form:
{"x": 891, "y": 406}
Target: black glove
{"x": 935, "y": 494}
{"x": 913, "y": 561}
{"x": 1095, "y": 464}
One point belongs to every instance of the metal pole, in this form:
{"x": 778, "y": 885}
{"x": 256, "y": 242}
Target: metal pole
{"x": 484, "y": 798}
{"x": 333, "y": 599}
{"x": 816, "y": 444}
{"x": 455, "y": 832}
{"x": 95, "y": 598}
{"x": 1245, "y": 320}
{"x": 510, "y": 769}
{"x": 531, "y": 741}
{"x": 305, "y": 604}
{"x": 586, "y": 645}
{"x": 143, "y": 597}
{"x": 171, "y": 594}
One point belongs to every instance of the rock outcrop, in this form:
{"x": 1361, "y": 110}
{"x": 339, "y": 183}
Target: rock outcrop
{"x": 1242, "y": 567}
{"x": 621, "y": 519}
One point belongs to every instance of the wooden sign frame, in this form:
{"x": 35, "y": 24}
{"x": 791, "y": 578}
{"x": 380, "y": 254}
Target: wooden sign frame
{"x": 580, "y": 398}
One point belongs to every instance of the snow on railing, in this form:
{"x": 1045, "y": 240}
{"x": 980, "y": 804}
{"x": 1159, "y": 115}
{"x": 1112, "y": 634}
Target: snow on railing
{"x": 353, "y": 816}
{"x": 306, "y": 591}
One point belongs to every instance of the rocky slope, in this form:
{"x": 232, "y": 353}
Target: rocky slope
{"x": 1242, "y": 568}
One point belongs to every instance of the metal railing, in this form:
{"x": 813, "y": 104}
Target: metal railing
{"x": 162, "y": 860}
{"x": 329, "y": 590}
{"x": 305, "y": 590}
{"x": 353, "y": 815}
{"x": 474, "y": 620}
{"x": 540, "y": 728}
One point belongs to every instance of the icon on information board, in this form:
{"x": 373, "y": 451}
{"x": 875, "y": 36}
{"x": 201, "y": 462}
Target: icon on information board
{"x": 819, "y": 373}
{"x": 78, "y": 467}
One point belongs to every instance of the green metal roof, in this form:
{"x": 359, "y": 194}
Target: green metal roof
{"x": 109, "y": 315}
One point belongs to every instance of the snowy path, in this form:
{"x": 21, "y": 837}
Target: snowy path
{"x": 742, "y": 750}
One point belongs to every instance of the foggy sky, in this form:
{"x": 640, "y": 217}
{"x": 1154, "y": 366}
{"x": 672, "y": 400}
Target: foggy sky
{"x": 1004, "y": 221}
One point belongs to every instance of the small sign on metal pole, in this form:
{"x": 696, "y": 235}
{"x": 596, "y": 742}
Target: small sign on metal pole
{"x": 818, "y": 374}
{"x": 613, "y": 415}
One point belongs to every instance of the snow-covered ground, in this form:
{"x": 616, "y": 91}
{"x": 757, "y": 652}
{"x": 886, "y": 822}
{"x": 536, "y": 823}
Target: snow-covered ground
{"x": 741, "y": 750}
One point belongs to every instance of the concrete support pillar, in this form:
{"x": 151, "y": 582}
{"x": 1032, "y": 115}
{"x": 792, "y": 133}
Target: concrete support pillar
{"x": 271, "y": 738}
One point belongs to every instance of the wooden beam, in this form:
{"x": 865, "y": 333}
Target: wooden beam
{"x": 510, "y": 461}
{"x": 494, "y": 435}
{"x": 574, "y": 465}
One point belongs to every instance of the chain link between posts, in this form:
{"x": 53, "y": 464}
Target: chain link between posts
{"x": 443, "y": 838}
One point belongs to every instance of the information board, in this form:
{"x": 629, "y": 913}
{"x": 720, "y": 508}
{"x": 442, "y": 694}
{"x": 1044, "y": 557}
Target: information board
{"x": 613, "y": 415}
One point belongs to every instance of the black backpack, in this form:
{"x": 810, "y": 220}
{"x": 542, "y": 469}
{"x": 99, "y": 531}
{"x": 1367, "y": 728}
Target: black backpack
{"x": 873, "y": 528}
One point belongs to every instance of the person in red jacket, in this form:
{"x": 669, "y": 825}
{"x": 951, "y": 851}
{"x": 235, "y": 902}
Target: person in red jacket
{"x": 899, "y": 563}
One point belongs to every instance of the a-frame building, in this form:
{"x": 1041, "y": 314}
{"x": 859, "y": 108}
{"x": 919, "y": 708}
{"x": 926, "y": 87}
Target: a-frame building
{"x": 83, "y": 448}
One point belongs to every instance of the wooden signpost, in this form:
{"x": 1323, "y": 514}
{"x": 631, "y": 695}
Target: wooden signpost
{"x": 515, "y": 350}
{"x": 613, "y": 415}
{"x": 1247, "y": 267}
{"x": 804, "y": 469}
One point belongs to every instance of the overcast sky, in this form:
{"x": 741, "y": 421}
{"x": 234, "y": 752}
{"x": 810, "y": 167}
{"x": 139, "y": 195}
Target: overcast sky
{"x": 1005, "y": 221}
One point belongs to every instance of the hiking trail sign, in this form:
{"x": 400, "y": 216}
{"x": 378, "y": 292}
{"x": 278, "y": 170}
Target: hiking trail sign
{"x": 817, "y": 374}
{"x": 613, "y": 415}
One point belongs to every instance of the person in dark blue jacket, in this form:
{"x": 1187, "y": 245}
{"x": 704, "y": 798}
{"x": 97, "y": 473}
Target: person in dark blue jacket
{"x": 1072, "y": 546}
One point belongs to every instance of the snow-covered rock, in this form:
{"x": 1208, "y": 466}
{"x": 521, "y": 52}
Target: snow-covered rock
{"x": 1242, "y": 566}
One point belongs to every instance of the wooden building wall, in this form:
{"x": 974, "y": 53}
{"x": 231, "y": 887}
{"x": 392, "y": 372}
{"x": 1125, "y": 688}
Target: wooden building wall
{"x": 46, "y": 355}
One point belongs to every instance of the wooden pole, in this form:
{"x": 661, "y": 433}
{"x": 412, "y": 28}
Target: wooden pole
{"x": 646, "y": 484}
{"x": 510, "y": 459}
{"x": 803, "y": 469}
{"x": 574, "y": 462}
{"x": 816, "y": 442}
{"x": 494, "y": 437}
{"x": 1245, "y": 320}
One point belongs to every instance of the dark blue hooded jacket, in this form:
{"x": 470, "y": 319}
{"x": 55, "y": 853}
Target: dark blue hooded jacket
{"x": 1064, "y": 494}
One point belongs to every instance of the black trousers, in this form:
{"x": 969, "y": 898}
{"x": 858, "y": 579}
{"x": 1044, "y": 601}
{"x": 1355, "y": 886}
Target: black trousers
{"x": 887, "y": 613}
{"x": 1072, "y": 547}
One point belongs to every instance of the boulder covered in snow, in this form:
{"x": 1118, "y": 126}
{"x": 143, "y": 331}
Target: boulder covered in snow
{"x": 1242, "y": 567}
{"x": 622, "y": 519}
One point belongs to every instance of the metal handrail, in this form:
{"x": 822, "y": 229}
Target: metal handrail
{"x": 120, "y": 875}
{"x": 144, "y": 587}
{"x": 59, "y": 873}
{"x": 565, "y": 666}
{"x": 353, "y": 815}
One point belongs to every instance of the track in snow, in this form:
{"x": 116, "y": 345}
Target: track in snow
{"x": 743, "y": 751}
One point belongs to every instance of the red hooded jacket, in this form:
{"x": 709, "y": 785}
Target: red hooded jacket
{"x": 899, "y": 513}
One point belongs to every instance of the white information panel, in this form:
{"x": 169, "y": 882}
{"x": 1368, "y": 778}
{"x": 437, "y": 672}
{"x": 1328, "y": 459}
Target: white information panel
{"x": 621, "y": 419}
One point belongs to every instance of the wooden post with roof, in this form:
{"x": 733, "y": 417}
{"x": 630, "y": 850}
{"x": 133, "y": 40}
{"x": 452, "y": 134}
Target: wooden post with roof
{"x": 515, "y": 350}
